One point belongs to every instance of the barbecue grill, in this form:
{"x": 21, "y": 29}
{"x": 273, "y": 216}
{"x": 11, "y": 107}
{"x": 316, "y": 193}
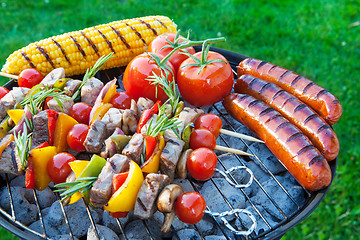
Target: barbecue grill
{"x": 288, "y": 220}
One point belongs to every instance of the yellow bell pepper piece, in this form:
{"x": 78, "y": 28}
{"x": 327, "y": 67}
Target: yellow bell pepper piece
{"x": 101, "y": 111}
{"x": 5, "y": 142}
{"x": 123, "y": 200}
{"x": 15, "y": 114}
{"x": 64, "y": 123}
{"x": 110, "y": 94}
{"x": 77, "y": 166}
{"x": 153, "y": 163}
{"x": 40, "y": 158}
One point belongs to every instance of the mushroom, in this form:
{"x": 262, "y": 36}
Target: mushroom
{"x": 166, "y": 204}
{"x": 181, "y": 165}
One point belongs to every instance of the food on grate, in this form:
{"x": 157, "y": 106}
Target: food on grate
{"x": 316, "y": 129}
{"x": 322, "y": 101}
{"x": 285, "y": 141}
{"x": 77, "y": 51}
{"x": 29, "y": 77}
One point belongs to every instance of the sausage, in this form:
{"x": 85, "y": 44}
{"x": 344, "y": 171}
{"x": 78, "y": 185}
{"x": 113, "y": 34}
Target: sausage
{"x": 322, "y": 101}
{"x": 283, "y": 139}
{"x": 315, "y": 128}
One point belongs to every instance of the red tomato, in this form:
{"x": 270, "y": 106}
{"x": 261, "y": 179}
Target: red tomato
{"x": 203, "y": 87}
{"x": 80, "y": 112}
{"x": 76, "y": 137}
{"x": 190, "y": 207}
{"x": 201, "y": 163}
{"x": 58, "y": 167}
{"x": 202, "y": 138}
{"x": 3, "y": 92}
{"x": 121, "y": 100}
{"x": 29, "y": 77}
{"x": 210, "y": 121}
{"x": 160, "y": 45}
{"x": 136, "y": 73}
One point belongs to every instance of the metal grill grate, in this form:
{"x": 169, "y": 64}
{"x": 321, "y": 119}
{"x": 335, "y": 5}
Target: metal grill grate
{"x": 10, "y": 222}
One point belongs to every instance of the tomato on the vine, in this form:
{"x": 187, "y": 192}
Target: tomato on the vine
{"x": 138, "y": 71}
{"x": 3, "y": 92}
{"x": 58, "y": 167}
{"x": 207, "y": 83}
{"x": 210, "y": 121}
{"x": 76, "y": 137}
{"x": 80, "y": 111}
{"x": 190, "y": 207}
{"x": 162, "y": 46}
{"x": 29, "y": 77}
{"x": 121, "y": 100}
{"x": 201, "y": 163}
{"x": 202, "y": 137}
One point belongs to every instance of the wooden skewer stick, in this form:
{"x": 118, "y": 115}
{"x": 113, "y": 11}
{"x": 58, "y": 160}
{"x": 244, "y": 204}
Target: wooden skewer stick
{"x": 8, "y": 75}
{"x": 232, "y": 150}
{"x": 239, "y": 135}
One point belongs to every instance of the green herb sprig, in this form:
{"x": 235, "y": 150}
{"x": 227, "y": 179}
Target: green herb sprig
{"x": 79, "y": 185}
{"x": 23, "y": 145}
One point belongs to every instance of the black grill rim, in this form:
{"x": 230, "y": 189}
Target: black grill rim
{"x": 314, "y": 198}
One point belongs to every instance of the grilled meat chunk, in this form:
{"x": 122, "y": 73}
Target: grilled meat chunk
{"x": 153, "y": 184}
{"x": 71, "y": 86}
{"x": 9, "y": 160}
{"x": 101, "y": 191}
{"x": 41, "y": 130}
{"x": 53, "y": 76}
{"x": 188, "y": 115}
{"x": 130, "y": 122}
{"x": 67, "y": 103}
{"x": 113, "y": 119}
{"x": 96, "y": 136}
{"x": 90, "y": 90}
{"x": 134, "y": 148}
{"x": 143, "y": 104}
{"x": 170, "y": 154}
{"x": 16, "y": 95}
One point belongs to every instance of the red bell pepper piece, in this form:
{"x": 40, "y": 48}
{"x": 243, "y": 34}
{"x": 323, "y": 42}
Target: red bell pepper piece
{"x": 44, "y": 144}
{"x": 150, "y": 144}
{"x": 118, "y": 180}
{"x": 119, "y": 214}
{"x": 30, "y": 176}
{"x": 147, "y": 115}
{"x": 52, "y": 117}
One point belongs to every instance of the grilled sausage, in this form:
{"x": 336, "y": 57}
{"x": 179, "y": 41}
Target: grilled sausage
{"x": 315, "y": 128}
{"x": 322, "y": 101}
{"x": 283, "y": 139}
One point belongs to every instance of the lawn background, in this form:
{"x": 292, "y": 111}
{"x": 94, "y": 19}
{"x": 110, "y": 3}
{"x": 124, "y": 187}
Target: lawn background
{"x": 319, "y": 39}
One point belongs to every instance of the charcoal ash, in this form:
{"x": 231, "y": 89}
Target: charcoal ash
{"x": 110, "y": 222}
{"x": 105, "y": 233}
{"x": 136, "y": 230}
{"x": 64, "y": 237}
{"x": 51, "y": 230}
{"x": 186, "y": 234}
{"x": 266, "y": 160}
{"x": 25, "y": 212}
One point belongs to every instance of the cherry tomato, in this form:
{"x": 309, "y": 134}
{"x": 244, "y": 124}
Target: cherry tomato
{"x": 121, "y": 100}
{"x": 190, "y": 207}
{"x": 202, "y": 138}
{"x": 160, "y": 45}
{"x": 29, "y": 77}
{"x": 58, "y": 167}
{"x": 206, "y": 86}
{"x": 210, "y": 121}
{"x": 80, "y": 112}
{"x": 136, "y": 73}
{"x": 3, "y": 92}
{"x": 201, "y": 163}
{"x": 76, "y": 137}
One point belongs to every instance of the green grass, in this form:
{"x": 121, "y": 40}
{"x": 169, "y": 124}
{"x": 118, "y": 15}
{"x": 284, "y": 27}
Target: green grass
{"x": 310, "y": 37}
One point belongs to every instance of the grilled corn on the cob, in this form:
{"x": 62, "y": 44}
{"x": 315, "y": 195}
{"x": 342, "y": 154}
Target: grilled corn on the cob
{"x": 77, "y": 51}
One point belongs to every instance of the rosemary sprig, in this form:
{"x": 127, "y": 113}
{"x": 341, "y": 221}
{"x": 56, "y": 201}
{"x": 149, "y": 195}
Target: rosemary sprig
{"x": 168, "y": 87}
{"x": 79, "y": 185}
{"x": 23, "y": 145}
{"x": 90, "y": 72}
{"x": 163, "y": 122}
